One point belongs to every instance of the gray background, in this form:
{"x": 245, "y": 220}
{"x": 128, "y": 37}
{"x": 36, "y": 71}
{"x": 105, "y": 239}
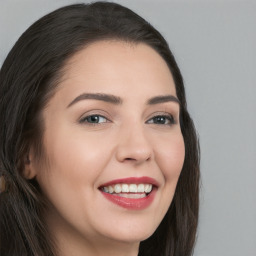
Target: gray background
{"x": 215, "y": 46}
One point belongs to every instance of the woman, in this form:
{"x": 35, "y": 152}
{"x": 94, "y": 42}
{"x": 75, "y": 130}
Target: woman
{"x": 98, "y": 152}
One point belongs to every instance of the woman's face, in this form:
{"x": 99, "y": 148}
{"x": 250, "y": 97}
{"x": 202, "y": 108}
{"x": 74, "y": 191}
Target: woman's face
{"x": 111, "y": 129}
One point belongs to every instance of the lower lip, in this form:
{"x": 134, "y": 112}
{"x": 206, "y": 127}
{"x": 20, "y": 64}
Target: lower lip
{"x": 131, "y": 203}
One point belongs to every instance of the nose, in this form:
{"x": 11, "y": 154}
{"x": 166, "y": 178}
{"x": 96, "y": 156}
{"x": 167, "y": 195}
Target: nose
{"x": 134, "y": 147}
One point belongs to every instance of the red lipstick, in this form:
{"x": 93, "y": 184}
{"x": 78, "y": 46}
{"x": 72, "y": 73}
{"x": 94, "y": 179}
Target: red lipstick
{"x": 127, "y": 202}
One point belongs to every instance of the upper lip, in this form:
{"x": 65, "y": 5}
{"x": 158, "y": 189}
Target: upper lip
{"x": 132, "y": 180}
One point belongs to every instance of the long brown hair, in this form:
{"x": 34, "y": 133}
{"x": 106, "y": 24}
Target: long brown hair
{"x": 29, "y": 78}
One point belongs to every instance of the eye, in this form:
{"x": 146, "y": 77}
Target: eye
{"x": 162, "y": 120}
{"x": 94, "y": 119}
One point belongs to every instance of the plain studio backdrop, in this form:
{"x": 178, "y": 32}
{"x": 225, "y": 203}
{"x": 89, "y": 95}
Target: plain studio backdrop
{"x": 215, "y": 46}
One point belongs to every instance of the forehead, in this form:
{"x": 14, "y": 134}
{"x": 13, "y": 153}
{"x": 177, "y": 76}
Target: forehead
{"x": 117, "y": 67}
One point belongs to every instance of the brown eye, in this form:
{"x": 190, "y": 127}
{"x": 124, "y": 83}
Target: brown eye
{"x": 162, "y": 120}
{"x": 94, "y": 119}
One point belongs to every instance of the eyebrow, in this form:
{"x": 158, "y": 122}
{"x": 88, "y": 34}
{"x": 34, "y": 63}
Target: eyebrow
{"x": 97, "y": 96}
{"x": 163, "y": 99}
{"x": 118, "y": 101}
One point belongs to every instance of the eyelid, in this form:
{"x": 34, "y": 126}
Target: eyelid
{"x": 83, "y": 120}
{"x": 172, "y": 118}
{"x": 162, "y": 113}
{"x": 95, "y": 112}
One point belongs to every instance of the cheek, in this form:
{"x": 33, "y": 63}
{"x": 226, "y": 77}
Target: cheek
{"x": 170, "y": 155}
{"x": 75, "y": 161}
{"x": 74, "y": 167}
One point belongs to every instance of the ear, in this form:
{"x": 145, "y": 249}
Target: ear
{"x": 29, "y": 171}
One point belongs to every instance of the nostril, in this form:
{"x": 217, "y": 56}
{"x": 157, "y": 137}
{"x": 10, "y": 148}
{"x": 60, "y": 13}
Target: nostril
{"x": 136, "y": 161}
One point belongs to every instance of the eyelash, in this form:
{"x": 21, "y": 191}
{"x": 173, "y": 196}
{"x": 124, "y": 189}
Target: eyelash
{"x": 164, "y": 119}
{"x": 85, "y": 120}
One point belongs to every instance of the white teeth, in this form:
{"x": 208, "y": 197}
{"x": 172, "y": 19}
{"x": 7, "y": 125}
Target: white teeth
{"x": 148, "y": 188}
{"x": 133, "y": 188}
{"x": 136, "y": 196}
{"x": 125, "y": 188}
{"x": 110, "y": 189}
{"x": 117, "y": 188}
{"x": 128, "y": 188}
{"x": 141, "y": 188}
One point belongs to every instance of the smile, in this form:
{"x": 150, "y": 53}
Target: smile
{"x": 128, "y": 188}
{"x": 130, "y": 193}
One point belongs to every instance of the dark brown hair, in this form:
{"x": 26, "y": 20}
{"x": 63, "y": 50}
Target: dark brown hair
{"x": 28, "y": 79}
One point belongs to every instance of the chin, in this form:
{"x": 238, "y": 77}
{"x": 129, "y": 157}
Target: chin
{"x": 131, "y": 234}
